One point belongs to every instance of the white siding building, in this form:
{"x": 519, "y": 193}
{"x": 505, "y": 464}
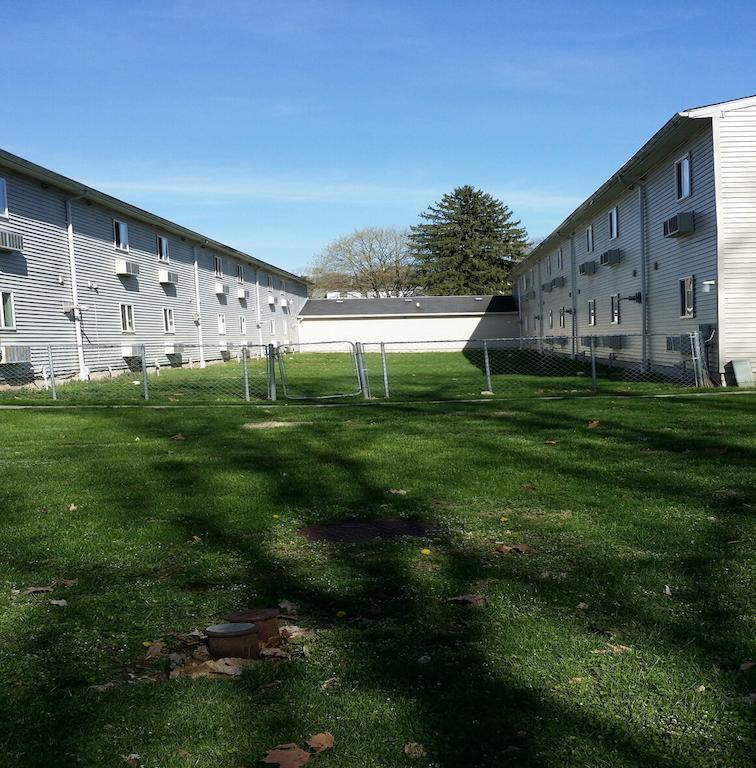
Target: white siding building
{"x": 666, "y": 246}
{"x": 96, "y": 278}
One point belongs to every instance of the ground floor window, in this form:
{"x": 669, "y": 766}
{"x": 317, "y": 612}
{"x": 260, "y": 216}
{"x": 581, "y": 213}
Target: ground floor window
{"x": 551, "y": 318}
{"x": 243, "y": 325}
{"x": 7, "y": 310}
{"x": 168, "y": 325}
{"x": 127, "y": 318}
{"x": 687, "y": 297}
{"x": 592, "y": 312}
{"x": 562, "y": 317}
{"x": 221, "y": 324}
{"x": 615, "y": 309}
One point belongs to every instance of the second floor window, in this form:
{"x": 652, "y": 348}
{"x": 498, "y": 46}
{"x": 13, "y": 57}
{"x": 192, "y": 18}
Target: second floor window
{"x": 560, "y": 259}
{"x": 682, "y": 177}
{"x": 548, "y": 264}
{"x": 163, "y": 249}
{"x": 589, "y": 239}
{"x": 127, "y": 318}
{"x": 3, "y": 199}
{"x": 614, "y": 223}
{"x": 121, "y": 235}
{"x": 218, "y": 266}
{"x": 239, "y": 274}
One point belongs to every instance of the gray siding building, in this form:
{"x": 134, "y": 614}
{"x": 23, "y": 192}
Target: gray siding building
{"x": 666, "y": 246}
{"x": 96, "y": 278}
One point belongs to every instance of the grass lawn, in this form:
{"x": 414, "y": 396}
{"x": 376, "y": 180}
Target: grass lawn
{"x": 647, "y": 518}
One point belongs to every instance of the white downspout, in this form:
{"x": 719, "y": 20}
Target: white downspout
{"x": 75, "y": 288}
{"x": 199, "y": 309}
{"x": 257, "y": 303}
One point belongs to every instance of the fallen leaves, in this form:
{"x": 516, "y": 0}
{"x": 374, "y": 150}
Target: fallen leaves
{"x": 293, "y": 756}
{"x": 594, "y": 424}
{"x": 37, "y": 590}
{"x": 72, "y": 507}
{"x": 178, "y": 437}
{"x": 103, "y": 687}
{"x": 613, "y": 648}
{"x": 321, "y": 741}
{"x": 398, "y": 491}
{"x": 551, "y": 442}
{"x": 154, "y": 649}
{"x": 425, "y": 551}
{"x": 229, "y": 667}
{"x": 332, "y": 682}
{"x": 133, "y": 760}
{"x": 580, "y": 607}
{"x": 58, "y": 603}
{"x": 294, "y": 633}
{"x": 668, "y": 590}
{"x": 467, "y": 600}
{"x": 514, "y": 549}
{"x": 414, "y": 750}
{"x": 70, "y": 582}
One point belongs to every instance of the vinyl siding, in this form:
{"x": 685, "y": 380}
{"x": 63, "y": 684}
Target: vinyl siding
{"x": 737, "y": 232}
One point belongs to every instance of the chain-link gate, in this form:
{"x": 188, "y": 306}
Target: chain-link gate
{"x": 320, "y": 370}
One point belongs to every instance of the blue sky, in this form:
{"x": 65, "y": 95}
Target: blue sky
{"x": 278, "y": 126}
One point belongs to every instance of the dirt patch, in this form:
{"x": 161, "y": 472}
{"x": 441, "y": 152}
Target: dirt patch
{"x": 360, "y": 531}
{"x": 273, "y": 424}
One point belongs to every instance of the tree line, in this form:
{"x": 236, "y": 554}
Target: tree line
{"x": 466, "y": 243}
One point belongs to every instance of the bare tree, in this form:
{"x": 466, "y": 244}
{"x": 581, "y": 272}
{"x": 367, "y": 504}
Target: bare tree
{"x": 374, "y": 260}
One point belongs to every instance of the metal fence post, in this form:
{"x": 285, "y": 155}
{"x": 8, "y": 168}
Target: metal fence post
{"x": 594, "y": 378}
{"x": 245, "y": 370}
{"x": 384, "y": 368}
{"x": 361, "y": 371}
{"x": 53, "y": 390}
{"x": 271, "y": 372}
{"x": 144, "y": 373}
{"x": 489, "y": 387}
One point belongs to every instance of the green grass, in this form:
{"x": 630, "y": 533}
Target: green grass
{"x": 411, "y": 376}
{"x": 660, "y": 494}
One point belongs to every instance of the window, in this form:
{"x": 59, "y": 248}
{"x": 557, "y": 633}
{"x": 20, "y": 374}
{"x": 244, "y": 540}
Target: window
{"x": 127, "y": 318}
{"x": 527, "y": 322}
{"x": 273, "y": 327}
{"x": 614, "y": 223}
{"x": 615, "y": 308}
{"x": 168, "y": 325}
{"x": 548, "y": 265}
{"x": 592, "y": 312}
{"x": 682, "y": 177}
{"x": 221, "y": 324}
{"x": 121, "y": 235}
{"x": 240, "y": 274}
{"x": 280, "y": 285}
{"x": 270, "y": 281}
{"x": 589, "y": 239}
{"x": 218, "y": 266}
{"x": 562, "y": 317}
{"x": 3, "y": 199}
{"x": 7, "y": 311}
{"x": 163, "y": 249}
{"x": 551, "y": 318}
{"x": 687, "y": 297}
{"x": 243, "y": 325}
{"x": 560, "y": 259}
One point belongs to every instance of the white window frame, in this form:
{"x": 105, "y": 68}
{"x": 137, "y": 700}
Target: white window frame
{"x": 4, "y": 324}
{"x": 270, "y": 281}
{"x": 218, "y": 266}
{"x": 163, "y": 250}
{"x": 121, "y": 235}
{"x": 128, "y": 320}
{"x": 551, "y": 319}
{"x": 680, "y": 192}
{"x": 169, "y": 321}
{"x": 591, "y": 311}
{"x": 548, "y": 265}
{"x": 221, "y": 323}
{"x": 240, "y": 274}
{"x": 242, "y": 325}
{"x": 3, "y": 199}
{"x": 589, "y": 239}
{"x": 560, "y": 258}
{"x": 614, "y": 223}
{"x": 615, "y": 308}
{"x": 272, "y": 327}
{"x": 687, "y": 288}
{"x": 562, "y": 317}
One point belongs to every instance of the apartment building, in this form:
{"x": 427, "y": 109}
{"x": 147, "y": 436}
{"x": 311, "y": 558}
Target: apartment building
{"x": 84, "y": 272}
{"x": 666, "y": 246}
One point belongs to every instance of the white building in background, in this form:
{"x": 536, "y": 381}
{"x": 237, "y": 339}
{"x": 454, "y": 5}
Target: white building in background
{"x": 80, "y": 270}
{"x": 667, "y": 245}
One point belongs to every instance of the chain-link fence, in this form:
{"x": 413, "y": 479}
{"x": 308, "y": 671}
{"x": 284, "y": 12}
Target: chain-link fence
{"x": 174, "y": 373}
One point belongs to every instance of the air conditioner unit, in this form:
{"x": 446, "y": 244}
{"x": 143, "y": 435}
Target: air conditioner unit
{"x": 15, "y": 353}
{"x": 174, "y": 349}
{"x": 558, "y": 282}
{"x": 680, "y": 224}
{"x": 10, "y": 241}
{"x": 67, "y": 307}
{"x": 284, "y": 302}
{"x": 131, "y": 350}
{"x": 271, "y": 299}
{"x": 221, "y": 289}
{"x": 546, "y": 287}
{"x": 613, "y": 342}
{"x": 166, "y": 277}
{"x": 126, "y": 267}
{"x": 587, "y": 268}
{"x": 610, "y": 258}
{"x": 242, "y": 293}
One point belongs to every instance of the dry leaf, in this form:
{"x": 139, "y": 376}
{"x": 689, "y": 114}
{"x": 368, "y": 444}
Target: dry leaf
{"x": 332, "y": 682}
{"x": 398, "y": 491}
{"x": 178, "y": 437}
{"x": 294, "y": 633}
{"x": 103, "y": 687}
{"x": 668, "y": 590}
{"x": 154, "y": 650}
{"x": 467, "y": 600}
{"x": 746, "y": 665}
{"x": 69, "y": 582}
{"x": 196, "y": 539}
{"x": 201, "y": 653}
{"x": 37, "y": 590}
{"x": 613, "y": 648}
{"x": 221, "y": 668}
{"x": 183, "y": 753}
{"x": 176, "y": 659}
{"x": 551, "y": 442}
{"x": 72, "y": 507}
{"x": 274, "y": 653}
{"x": 414, "y": 750}
{"x": 517, "y": 549}
{"x": 321, "y": 741}
{"x": 577, "y": 680}
{"x": 593, "y": 423}
{"x": 287, "y": 756}
{"x": 59, "y": 603}
{"x": 133, "y": 760}
{"x": 700, "y": 689}
{"x": 271, "y": 684}
{"x": 582, "y": 606}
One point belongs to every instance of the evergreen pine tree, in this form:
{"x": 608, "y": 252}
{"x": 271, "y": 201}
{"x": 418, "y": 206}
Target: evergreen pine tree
{"x": 467, "y": 244}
